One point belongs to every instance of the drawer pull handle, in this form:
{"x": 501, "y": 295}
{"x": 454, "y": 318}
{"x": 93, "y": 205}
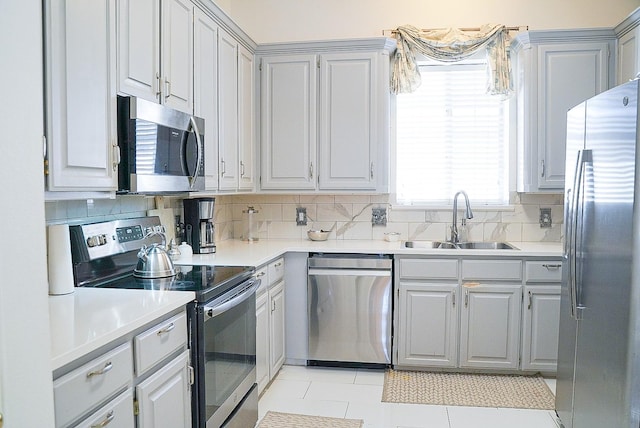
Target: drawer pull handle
{"x": 167, "y": 329}
{"x": 552, "y": 267}
{"x": 259, "y": 274}
{"x": 106, "y": 421}
{"x": 277, "y": 264}
{"x": 107, "y": 368}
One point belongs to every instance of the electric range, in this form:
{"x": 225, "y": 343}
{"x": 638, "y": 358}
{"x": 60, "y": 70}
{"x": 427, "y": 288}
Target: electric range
{"x": 221, "y": 319}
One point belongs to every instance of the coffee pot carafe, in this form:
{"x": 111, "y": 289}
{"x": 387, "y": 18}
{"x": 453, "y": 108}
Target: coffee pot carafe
{"x": 199, "y": 226}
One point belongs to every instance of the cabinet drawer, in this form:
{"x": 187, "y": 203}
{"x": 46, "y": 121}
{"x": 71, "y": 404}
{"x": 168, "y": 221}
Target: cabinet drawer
{"x": 118, "y": 411}
{"x": 159, "y": 341}
{"x": 429, "y": 268}
{"x": 492, "y": 269}
{"x": 262, "y": 273}
{"x": 276, "y": 271}
{"x": 88, "y": 385}
{"x": 543, "y": 271}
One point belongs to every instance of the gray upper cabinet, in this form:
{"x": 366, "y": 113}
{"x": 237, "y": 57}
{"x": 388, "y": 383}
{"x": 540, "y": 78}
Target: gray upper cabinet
{"x": 628, "y": 33}
{"x": 246, "y": 120}
{"x": 554, "y": 71}
{"x": 324, "y": 116}
{"x": 80, "y": 67}
{"x": 155, "y": 51}
{"x": 288, "y": 122}
{"x": 348, "y": 121}
{"x": 205, "y": 98}
{"x": 228, "y": 110}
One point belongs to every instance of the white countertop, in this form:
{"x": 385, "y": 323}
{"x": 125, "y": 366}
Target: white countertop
{"x": 242, "y": 253}
{"x": 89, "y": 318}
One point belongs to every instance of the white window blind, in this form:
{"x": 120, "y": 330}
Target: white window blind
{"x": 451, "y": 136}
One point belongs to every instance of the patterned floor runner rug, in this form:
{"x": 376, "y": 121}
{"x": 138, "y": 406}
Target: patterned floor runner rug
{"x": 464, "y": 389}
{"x": 290, "y": 420}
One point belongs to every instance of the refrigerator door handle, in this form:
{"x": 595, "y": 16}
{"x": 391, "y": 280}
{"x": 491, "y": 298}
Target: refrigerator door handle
{"x": 584, "y": 157}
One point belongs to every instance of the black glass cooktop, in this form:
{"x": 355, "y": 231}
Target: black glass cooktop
{"x": 208, "y": 282}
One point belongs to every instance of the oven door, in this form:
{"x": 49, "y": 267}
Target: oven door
{"x": 227, "y": 354}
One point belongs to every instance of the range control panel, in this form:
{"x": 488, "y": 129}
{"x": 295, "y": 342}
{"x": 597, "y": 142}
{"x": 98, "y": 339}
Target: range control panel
{"x": 96, "y": 240}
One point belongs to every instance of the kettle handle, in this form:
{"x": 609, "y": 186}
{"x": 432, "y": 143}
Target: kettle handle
{"x": 162, "y": 235}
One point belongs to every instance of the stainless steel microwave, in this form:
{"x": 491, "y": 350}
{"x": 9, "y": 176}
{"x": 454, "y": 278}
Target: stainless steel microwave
{"x": 161, "y": 149}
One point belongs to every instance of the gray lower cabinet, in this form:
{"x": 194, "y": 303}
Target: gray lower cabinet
{"x": 490, "y": 326}
{"x": 541, "y": 315}
{"x": 142, "y": 380}
{"x": 270, "y": 322}
{"x": 429, "y": 324}
{"x": 477, "y": 313}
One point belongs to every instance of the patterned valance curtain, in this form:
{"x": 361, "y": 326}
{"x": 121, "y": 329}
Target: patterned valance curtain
{"x": 451, "y": 45}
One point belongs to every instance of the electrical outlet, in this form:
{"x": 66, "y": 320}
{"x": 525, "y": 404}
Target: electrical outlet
{"x": 301, "y": 216}
{"x": 545, "y": 217}
{"x": 379, "y": 216}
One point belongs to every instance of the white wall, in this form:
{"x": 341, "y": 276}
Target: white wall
{"x": 292, "y": 20}
{"x": 25, "y": 348}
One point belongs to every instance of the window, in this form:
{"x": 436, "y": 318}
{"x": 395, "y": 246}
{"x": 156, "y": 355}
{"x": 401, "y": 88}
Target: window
{"x": 452, "y": 136}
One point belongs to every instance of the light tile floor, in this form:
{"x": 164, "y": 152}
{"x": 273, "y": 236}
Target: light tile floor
{"x": 356, "y": 394}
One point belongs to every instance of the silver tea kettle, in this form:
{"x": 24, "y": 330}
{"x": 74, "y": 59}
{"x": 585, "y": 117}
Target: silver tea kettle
{"x": 153, "y": 260}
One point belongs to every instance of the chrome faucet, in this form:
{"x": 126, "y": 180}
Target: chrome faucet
{"x": 468, "y": 214}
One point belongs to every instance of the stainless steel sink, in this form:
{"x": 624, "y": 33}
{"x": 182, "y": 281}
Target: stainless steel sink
{"x": 461, "y": 245}
{"x": 428, "y": 244}
{"x": 485, "y": 246}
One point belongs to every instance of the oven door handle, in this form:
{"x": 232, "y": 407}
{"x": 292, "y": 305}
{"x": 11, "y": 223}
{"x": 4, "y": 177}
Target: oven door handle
{"x": 250, "y": 289}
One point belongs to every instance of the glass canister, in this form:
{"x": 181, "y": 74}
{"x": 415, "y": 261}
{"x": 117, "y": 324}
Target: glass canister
{"x": 250, "y": 224}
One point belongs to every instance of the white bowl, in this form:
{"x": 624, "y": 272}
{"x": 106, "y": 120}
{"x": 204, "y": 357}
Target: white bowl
{"x": 391, "y": 236}
{"x": 318, "y": 235}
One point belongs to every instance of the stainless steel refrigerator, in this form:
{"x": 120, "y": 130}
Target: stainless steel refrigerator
{"x": 598, "y": 383}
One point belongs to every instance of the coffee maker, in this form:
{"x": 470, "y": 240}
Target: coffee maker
{"x": 198, "y": 223}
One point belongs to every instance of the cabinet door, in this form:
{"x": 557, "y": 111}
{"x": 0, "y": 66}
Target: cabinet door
{"x": 81, "y": 100}
{"x": 177, "y": 54}
{"x": 288, "y": 124}
{"x": 276, "y": 325}
{"x": 490, "y": 326}
{"x": 228, "y": 110}
{"x": 348, "y": 121}
{"x": 164, "y": 398}
{"x": 262, "y": 341}
{"x": 567, "y": 75}
{"x": 428, "y": 325}
{"x": 540, "y": 328}
{"x": 206, "y": 91}
{"x": 628, "y": 58}
{"x": 139, "y": 48}
{"x": 246, "y": 128}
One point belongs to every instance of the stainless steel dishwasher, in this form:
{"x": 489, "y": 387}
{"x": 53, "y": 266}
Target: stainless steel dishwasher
{"x": 349, "y": 309}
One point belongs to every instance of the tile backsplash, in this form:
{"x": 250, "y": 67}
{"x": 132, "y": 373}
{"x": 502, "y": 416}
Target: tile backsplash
{"x": 347, "y": 216}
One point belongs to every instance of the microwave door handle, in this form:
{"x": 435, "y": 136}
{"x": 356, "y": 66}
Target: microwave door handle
{"x": 212, "y": 311}
{"x": 196, "y": 131}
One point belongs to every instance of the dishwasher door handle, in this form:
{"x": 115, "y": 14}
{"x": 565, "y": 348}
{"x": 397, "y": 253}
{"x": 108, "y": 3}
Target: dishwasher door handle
{"x": 349, "y": 272}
